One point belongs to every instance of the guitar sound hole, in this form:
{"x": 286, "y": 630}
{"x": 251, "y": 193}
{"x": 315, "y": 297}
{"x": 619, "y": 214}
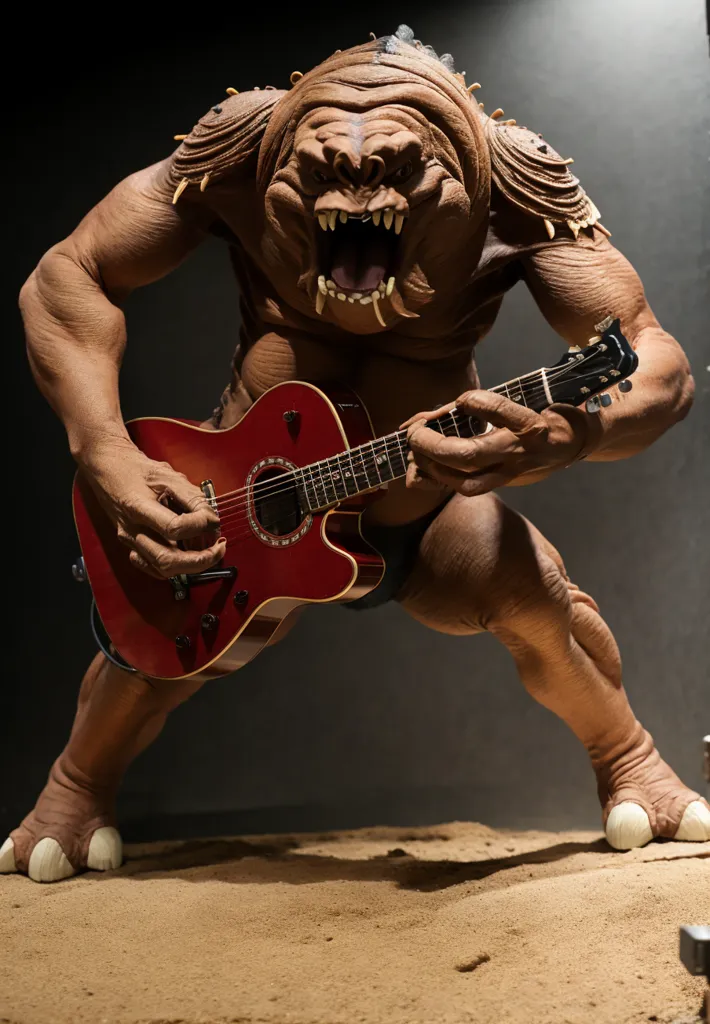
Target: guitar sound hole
{"x": 276, "y": 504}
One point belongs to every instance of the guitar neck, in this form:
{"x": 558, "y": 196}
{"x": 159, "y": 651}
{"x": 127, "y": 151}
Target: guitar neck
{"x": 369, "y": 466}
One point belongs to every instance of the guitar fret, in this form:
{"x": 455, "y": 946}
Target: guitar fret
{"x": 369, "y": 465}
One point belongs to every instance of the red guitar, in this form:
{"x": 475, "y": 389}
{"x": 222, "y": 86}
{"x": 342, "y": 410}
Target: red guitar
{"x": 289, "y": 483}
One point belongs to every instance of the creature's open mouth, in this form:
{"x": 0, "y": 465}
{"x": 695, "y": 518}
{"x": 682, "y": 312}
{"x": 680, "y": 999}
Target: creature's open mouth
{"x": 358, "y": 256}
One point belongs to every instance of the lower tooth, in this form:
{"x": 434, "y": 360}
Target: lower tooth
{"x": 366, "y": 300}
{"x": 375, "y": 294}
{"x": 390, "y": 287}
{"x": 351, "y": 298}
{"x": 341, "y": 296}
{"x": 331, "y": 293}
{"x": 320, "y": 302}
{"x": 357, "y": 295}
{"x": 321, "y": 285}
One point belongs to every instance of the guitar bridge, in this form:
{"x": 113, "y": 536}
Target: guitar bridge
{"x": 181, "y": 584}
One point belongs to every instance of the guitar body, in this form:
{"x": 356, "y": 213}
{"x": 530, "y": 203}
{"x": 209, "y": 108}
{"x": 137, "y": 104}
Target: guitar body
{"x": 216, "y": 627}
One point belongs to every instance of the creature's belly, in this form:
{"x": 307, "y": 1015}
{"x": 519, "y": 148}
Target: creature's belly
{"x": 392, "y": 388}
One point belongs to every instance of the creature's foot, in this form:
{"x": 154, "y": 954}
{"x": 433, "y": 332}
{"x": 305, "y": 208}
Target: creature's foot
{"x": 644, "y": 799}
{"x": 71, "y": 828}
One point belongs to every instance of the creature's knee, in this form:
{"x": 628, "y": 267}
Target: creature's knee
{"x": 531, "y": 610}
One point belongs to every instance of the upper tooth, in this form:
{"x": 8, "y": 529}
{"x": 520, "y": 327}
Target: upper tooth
{"x": 357, "y": 295}
{"x": 398, "y": 222}
{"x": 343, "y": 217}
{"x": 332, "y": 219}
{"x": 323, "y": 220}
{"x": 376, "y": 217}
{"x": 330, "y": 284}
{"x": 388, "y": 218}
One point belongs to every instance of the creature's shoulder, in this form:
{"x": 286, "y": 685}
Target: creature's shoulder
{"x": 225, "y": 142}
{"x": 532, "y": 175}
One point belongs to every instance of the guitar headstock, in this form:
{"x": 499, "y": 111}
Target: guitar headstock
{"x": 582, "y": 374}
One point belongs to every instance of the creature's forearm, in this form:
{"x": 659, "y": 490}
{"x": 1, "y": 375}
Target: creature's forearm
{"x": 661, "y": 395}
{"x": 75, "y": 339}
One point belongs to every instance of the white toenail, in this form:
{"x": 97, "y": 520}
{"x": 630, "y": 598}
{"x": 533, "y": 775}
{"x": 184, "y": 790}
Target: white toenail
{"x": 628, "y": 826}
{"x": 695, "y": 823}
{"x": 48, "y": 862}
{"x": 105, "y": 850}
{"x": 7, "y": 857}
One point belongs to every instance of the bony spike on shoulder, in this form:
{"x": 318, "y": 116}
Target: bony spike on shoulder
{"x": 295, "y": 76}
{"x": 179, "y": 190}
{"x": 232, "y": 92}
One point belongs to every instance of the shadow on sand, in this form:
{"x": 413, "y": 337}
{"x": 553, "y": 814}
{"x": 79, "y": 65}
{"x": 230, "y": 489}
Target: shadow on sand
{"x": 239, "y": 861}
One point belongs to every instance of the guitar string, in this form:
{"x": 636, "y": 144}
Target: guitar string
{"x": 534, "y": 393}
{"x": 282, "y": 483}
{"x": 537, "y": 391}
{"x": 395, "y": 444}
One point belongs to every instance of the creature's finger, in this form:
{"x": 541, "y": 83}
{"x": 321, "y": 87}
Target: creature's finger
{"x": 502, "y": 412}
{"x": 465, "y": 454}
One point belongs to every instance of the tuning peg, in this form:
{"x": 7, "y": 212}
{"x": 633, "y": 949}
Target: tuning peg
{"x": 625, "y": 386}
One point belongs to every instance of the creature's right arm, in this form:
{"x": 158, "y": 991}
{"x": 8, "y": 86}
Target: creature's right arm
{"x": 76, "y": 335}
{"x": 75, "y": 328}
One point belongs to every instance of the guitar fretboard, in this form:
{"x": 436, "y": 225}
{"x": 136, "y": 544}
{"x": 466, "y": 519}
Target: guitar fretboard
{"x": 370, "y": 465}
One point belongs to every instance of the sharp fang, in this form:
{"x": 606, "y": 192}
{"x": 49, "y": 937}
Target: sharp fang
{"x": 376, "y": 218}
{"x": 398, "y": 223}
{"x": 321, "y": 285}
{"x": 342, "y": 296}
{"x": 574, "y": 227}
{"x": 343, "y": 217}
{"x": 376, "y": 306}
{"x": 550, "y": 228}
{"x": 388, "y": 218}
{"x": 390, "y": 287}
{"x": 365, "y": 300}
{"x": 323, "y": 220}
{"x": 332, "y": 219}
{"x": 320, "y": 302}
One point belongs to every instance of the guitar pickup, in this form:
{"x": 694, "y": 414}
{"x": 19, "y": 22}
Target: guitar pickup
{"x": 181, "y": 584}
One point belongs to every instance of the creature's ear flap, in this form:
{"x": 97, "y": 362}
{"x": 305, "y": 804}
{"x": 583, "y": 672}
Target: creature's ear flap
{"x": 225, "y": 142}
{"x": 530, "y": 174}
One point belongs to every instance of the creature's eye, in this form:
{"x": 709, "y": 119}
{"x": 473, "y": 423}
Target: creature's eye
{"x": 320, "y": 177}
{"x": 403, "y": 172}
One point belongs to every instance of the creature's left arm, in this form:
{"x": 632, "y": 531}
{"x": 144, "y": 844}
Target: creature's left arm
{"x": 576, "y": 286}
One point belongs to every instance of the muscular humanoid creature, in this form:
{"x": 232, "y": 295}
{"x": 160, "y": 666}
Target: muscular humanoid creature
{"x": 375, "y": 216}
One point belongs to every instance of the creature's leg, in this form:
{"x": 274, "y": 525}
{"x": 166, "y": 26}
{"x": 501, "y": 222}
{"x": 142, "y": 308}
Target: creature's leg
{"x": 481, "y": 566}
{"x": 73, "y": 823}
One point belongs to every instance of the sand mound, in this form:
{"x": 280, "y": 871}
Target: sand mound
{"x": 458, "y": 924}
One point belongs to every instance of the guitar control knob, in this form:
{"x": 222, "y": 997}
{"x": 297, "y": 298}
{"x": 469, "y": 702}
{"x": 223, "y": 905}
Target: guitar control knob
{"x": 183, "y": 642}
{"x": 240, "y": 598}
{"x": 625, "y": 386}
{"x": 78, "y": 570}
{"x": 209, "y": 621}
{"x": 290, "y": 415}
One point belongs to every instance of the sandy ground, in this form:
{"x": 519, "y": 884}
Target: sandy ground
{"x": 449, "y": 925}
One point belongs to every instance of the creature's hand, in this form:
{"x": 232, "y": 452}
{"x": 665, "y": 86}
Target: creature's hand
{"x": 525, "y": 442}
{"x": 153, "y": 508}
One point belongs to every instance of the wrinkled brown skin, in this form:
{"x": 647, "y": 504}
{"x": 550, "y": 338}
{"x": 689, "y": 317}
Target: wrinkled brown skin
{"x": 465, "y": 243}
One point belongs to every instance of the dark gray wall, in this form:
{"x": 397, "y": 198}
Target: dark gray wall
{"x": 372, "y": 718}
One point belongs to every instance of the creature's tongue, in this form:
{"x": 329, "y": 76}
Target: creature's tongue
{"x": 359, "y": 267}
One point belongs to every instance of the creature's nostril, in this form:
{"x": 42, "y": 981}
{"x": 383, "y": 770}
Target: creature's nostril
{"x": 373, "y": 170}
